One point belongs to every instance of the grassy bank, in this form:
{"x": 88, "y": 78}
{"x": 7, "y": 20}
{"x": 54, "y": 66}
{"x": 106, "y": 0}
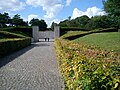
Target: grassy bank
{"x": 107, "y": 41}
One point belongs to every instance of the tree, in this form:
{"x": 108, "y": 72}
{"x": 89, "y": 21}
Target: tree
{"x": 34, "y": 22}
{"x": 41, "y": 23}
{"x": 69, "y": 18}
{"x": 112, "y": 7}
{"x": 17, "y": 21}
{"x": 72, "y": 23}
{"x": 4, "y": 19}
{"x": 78, "y": 22}
{"x": 64, "y": 23}
{"x": 52, "y": 25}
{"x": 82, "y": 21}
{"x": 104, "y": 21}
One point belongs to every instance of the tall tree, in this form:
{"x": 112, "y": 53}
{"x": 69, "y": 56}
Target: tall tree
{"x": 34, "y": 22}
{"x": 82, "y": 21}
{"x": 104, "y": 21}
{"x": 17, "y": 21}
{"x": 53, "y": 24}
{"x": 64, "y": 23}
{"x": 112, "y": 7}
{"x": 41, "y": 23}
{"x": 69, "y": 18}
{"x": 77, "y": 22}
{"x": 4, "y": 19}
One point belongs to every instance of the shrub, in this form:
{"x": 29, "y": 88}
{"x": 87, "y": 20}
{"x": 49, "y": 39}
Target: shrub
{"x": 11, "y": 42}
{"x": 72, "y": 37}
{"x": 6, "y": 34}
{"x": 64, "y": 30}
{"x": 11, "y": 45}
{"x": 87, "y": 68}
{"x": 23, "y": 30}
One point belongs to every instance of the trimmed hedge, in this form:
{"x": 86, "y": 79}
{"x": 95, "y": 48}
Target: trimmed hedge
{"x": 64, "y": 30}
{"x": 11, "y": 42}
{"x": 11, "y": 45}
{"x": 85, "y": 67}
{"x": 73, "y": 29}
{"x": 7, "y": 34}
{"x": 23, "y": 30}
{"x": 89, "y": 32}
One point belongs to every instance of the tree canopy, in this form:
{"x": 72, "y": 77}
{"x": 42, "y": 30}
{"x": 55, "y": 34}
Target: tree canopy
{"x": 112, "y": 7}
{"x": 84, "y": 22}
{"x": 15, "y": 21}
{"x": 111, "y": 19}
{"x": 41, "y": 23}
{"x": 4, "y": 19}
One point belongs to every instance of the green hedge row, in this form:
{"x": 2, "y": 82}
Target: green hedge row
{"x": 11, "y": 45}
{"x": 90, "y": 32}
{"x": 64, "y": 30}
{"x": 11, "y": 42}
{"x": 86, "y": 67}
{"x": 6, "y": 34}
{"x": 23, "y": 30}
{"x": 73, "y": 29}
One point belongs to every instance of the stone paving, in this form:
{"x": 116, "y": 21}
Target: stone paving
{"x": 32, "y": 68}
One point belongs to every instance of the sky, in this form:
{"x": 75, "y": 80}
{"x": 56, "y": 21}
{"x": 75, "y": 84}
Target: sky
{"x": 51, "y": 10}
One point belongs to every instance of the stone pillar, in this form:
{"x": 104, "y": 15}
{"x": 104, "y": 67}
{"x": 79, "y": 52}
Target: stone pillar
{"x": 35, "y": 33}
{"x": 56, "y": 31}
{"x": 118, "y": 30}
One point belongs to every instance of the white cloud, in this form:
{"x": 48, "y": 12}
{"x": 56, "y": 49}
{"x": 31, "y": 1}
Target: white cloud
{"x": 56, "y": 21}
{"x": 76, "y": 13}
{"x": 68, "y": 2}
{"x": 31, "y": 16}
{"x": 94, "y": 11}
{"x": 51, "y": 12}
{"x": 11, "y": 5}
{"x": 52, "y": 7}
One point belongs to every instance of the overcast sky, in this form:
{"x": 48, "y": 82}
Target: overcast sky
{"x": 52, "y": 10}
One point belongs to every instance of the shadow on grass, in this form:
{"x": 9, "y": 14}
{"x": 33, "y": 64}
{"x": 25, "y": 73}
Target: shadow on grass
{"x": 9, "y": 58}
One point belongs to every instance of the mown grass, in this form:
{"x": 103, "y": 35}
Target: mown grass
{"x": 107, "y": 41}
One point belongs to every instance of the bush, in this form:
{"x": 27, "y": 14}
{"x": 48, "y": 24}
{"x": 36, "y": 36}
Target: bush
{"x": 64, "y": 30}
{"x": 85, "y": 67}
{"x": 11, "y": 42}
{"x": 11, "y": 45}
{"x": 23, "y": 30}
{"x": 72, "y": 37}
{"x": 6, "y": 34}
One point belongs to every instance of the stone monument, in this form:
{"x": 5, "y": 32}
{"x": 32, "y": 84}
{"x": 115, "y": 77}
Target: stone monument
{"x": 56, "y": 31}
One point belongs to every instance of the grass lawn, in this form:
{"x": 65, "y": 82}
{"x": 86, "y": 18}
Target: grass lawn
{"x": 107, "y": 41}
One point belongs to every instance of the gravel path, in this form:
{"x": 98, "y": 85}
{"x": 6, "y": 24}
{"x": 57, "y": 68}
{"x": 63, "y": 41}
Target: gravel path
{"x": 32, "y": 68}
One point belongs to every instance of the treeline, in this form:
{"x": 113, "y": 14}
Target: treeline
{"x": 16, "y": 20}
{"x": 6, "y": 20}
{"x": 111, "y": 19}
{"x": 95, "y": 22}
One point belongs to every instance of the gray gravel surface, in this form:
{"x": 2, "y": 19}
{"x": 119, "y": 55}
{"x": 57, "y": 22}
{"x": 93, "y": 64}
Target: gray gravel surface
{"x": 32, "y": 68}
